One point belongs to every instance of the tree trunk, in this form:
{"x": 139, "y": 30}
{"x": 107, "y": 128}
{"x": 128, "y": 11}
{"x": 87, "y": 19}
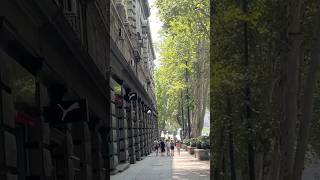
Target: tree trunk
{"x": 200, "y": 93}
{"x": 251, "y": 153}
{"x": 231, "y": 146}
{"x": 205, "y": 85}
{"x": 275, "y": 171}
{"x": 219, "y": 151}
{"x": 182, "y": 118}
{"x": 205, "y": 101}
{"x": 307, "y": 101}
{"x": 259, "y": 165}
{"x": 290, "y": 63}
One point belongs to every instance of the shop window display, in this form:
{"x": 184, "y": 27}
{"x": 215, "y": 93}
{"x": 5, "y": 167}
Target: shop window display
{"x": 23, "y": 94}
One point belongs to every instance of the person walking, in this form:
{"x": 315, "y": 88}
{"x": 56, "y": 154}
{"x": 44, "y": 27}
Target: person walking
{"x": 156, "y": 146}
{"x": 168, "y": 144}
{"x": 172, "y": 148}
{"x": 162, "y": 147}
{"x": 178, "y": 146}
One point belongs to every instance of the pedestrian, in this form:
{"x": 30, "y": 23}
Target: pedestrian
{"x": 168, "y": 144}
{"x": 178, "y": 146}
{"x": 156, "y": 146}
{"x": 162, "y": 147}
{"x": 172, "y": 148}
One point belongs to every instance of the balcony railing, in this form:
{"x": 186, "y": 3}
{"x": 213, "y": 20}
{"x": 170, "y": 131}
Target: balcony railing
{"x": 70, "y": 9}
{"x": 74, "y": 21}
{"x": 124, "y": 43}
{"x": 130, "y": 49}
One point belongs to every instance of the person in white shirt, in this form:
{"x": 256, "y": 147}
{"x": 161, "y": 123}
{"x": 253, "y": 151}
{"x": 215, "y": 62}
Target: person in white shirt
{"x": 168, "y": 147}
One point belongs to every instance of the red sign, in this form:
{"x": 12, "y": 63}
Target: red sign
{"x": 23, "y": 118}
{"x": 118, "y": 99}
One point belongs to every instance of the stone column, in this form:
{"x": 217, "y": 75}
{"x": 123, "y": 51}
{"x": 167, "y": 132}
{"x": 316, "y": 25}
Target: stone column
{"x": 145, "y": 137}
{"x": 131, "y": 139}
{"x": 82, "y": 149}
{"x": 106, "y": 147}
{"x": 8, "y": 145}
{"x": 147, "y": 133}
{"x": 141, "y": 133}
{"x": 40, "y": 162}
{"x": 113, "y": 146}
{"x": 150, "y": 133}
{"x": 123, "y": 136}
{"x": 60, "y": 139}
{"x": 135, "y": 114}
{"x": 137, "y": 130}
{"x": 97, "y": 159}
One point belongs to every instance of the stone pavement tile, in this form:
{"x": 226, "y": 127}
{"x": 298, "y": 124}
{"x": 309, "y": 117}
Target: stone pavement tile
{"x": 183, "y": 167}
{"x": 151, "y": 168}
{"x": 186, "y": 167}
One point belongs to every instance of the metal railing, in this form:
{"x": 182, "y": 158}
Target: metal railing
{"x": 70, "y": 9}
{"x": 74, "y": 21}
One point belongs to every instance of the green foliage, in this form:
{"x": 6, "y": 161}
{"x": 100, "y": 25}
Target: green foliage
{"x": 230, "y": 75}
{"x": 201, "y": 142}
{"x": 186, "y": 142}
{"x": 186, "y": 24}
{"x": 193, "y": 142}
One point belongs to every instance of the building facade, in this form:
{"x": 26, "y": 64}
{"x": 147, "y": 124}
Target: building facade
{"x": 134, "y": 125}
{"x": 77, "y": 92}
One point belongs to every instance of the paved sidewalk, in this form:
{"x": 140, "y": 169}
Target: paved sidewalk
{"x": 187, "y": 167}
{"x": 183, "y": 167}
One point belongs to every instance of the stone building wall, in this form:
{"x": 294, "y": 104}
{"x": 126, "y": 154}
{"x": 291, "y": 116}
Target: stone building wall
{"x": 130, "y": 16}
{"x": 47, "y": 48}
{"x": 55, "y": 51}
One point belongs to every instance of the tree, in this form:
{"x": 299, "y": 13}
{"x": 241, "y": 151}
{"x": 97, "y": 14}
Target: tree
{"x": 184, "y": 62}
{"x": 282, "y": 60}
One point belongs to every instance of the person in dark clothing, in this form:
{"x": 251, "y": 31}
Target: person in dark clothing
{"x": 162, "y": 147}
{"x": 172, "y": 148}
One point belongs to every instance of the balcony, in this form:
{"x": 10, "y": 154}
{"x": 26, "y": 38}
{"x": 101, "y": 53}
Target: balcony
{"x": 70, "y": 10}
{"x": 74, "y": 21}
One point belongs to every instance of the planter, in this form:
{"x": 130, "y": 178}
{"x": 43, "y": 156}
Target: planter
{"x": 191, "y": 150}
{"x": 185, "y": 147}
{"x": 201, "y": 154}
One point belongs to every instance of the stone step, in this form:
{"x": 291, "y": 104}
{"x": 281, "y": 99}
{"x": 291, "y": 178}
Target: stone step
{"x": 122, "y": 167}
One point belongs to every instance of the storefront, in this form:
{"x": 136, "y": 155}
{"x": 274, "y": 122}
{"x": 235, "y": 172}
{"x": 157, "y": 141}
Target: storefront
{"x": 33, "y": 146}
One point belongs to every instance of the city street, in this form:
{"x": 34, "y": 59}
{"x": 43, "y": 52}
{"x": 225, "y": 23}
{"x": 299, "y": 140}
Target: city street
{"x": 183, "y": 167}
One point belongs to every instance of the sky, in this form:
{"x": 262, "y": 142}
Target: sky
{"x": 155, "y": 26}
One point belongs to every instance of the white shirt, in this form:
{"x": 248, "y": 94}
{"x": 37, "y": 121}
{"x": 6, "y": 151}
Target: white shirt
{"x": 168, "y": 144}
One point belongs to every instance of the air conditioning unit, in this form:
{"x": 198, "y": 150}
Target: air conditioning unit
{"x": 136, "y": 56}
{"x": 144, "y": 23}
{"x": 121, "y": 34}
{"x": 140, "y": 41}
